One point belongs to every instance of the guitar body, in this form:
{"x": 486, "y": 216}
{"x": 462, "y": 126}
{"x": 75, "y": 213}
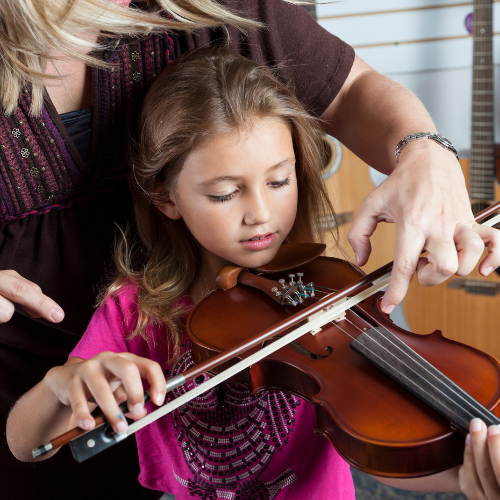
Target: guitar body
{"x": 467, "y": 313}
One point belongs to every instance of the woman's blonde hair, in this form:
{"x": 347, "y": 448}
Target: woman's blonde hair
{"x": 32, "y": 31}
{"x": 181, "y": 110}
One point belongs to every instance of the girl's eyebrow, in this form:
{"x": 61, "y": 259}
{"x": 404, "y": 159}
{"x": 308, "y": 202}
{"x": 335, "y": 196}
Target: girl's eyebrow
{"x": 222, "y": 178}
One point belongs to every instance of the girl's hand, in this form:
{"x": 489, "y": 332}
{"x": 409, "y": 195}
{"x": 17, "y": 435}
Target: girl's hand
{"x": 16, "y": 289}
{"x": 110, "y": 379}
{"x": 479, "y": 475}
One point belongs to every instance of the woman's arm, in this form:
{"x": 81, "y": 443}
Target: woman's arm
{"x": 61, "y": 399}
{"x": 425, "y": 195}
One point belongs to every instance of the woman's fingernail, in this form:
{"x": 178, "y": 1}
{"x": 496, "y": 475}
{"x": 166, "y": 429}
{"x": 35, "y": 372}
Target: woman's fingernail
{"x": 159, "y": 399}
{"x": 488, "y": 270}
{"x": 356, "y": 256}
{"x": 56, "y": 314}
{"x": 137, "y": 408}
{"x": 121, "y": 426}
{"x": 388, "y": 309}
{"x": 493, "y": 430}
{"x": 468, "y": 440}
{"x": 476, "y": 425}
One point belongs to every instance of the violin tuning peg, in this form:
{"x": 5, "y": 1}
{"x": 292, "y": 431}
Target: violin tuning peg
{"x": 291, "y": 276}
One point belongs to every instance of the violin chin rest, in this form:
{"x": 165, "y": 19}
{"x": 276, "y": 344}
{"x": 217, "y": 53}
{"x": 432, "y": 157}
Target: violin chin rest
{"x": 291, "y": 255}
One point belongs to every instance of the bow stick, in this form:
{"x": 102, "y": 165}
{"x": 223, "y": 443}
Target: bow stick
{"x": 87, "y": 444}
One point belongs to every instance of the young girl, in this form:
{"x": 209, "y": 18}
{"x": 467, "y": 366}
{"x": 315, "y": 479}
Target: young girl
{"x": 225, "y": 169}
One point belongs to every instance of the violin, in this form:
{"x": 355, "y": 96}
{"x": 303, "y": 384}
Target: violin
{"x": 347, "y": 369}
{"x": 393, "y": 403}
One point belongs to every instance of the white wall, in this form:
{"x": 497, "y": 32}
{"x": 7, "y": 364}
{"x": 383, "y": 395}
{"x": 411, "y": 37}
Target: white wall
{"x": 429, "y": 50}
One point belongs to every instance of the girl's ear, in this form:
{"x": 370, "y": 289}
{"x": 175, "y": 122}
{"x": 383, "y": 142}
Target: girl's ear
{"x": 169, "y": 207}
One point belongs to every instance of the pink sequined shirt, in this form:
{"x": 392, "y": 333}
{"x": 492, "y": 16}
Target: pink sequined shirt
{"x": 227, "y": 443}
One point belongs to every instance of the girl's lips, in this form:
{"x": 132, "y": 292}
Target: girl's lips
{"x": 259, "y": 244}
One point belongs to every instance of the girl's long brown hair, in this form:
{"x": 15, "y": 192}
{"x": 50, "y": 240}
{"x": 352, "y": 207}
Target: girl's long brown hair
{"x": 207, "y": 92}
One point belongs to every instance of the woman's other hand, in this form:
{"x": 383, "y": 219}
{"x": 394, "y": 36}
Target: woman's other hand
{"x": 14, "y": 289}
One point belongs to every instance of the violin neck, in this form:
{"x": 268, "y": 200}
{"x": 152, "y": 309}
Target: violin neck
{"x": 409, "y": 369}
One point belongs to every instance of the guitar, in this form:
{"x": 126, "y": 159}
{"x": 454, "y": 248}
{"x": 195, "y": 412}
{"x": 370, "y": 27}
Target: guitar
{"x": 466, "y": 308}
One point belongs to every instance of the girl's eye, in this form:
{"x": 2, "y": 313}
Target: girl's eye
{"x": 278, "y": 184}
{"x": 223, "y": 198}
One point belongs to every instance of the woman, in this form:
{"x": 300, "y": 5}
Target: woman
{"x": 63, "y": 175}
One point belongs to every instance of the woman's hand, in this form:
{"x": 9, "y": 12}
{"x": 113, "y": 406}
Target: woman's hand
{"x": 110, "y": 379}
{"x": 14, "y": 289}
{"x": 427, "y": 198}
{"x": 479, "y": 476}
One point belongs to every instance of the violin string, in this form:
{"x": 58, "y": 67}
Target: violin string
{"x": 417, "y": 358}
{"x": 334, "y": 323}
{"x": 422, "y": 362}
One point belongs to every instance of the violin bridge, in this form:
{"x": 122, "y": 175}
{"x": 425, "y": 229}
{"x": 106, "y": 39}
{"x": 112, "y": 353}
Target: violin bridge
{"x": 341, "y": 316}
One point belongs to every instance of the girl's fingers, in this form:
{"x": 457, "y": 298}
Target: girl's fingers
{"x": 469, "y": 481}
{"x": 152, "y": 372}
{"x": 483, "y": 461}
{"x": 128, "y": 370}
{"x": 97, "y": 384}
{"x": 494, "y": 449}
{"x": 80, "y": 405}
{"x": 129, "y": 374}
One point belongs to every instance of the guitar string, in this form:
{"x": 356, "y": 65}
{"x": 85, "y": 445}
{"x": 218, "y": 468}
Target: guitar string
{"x": 483, "y": 49}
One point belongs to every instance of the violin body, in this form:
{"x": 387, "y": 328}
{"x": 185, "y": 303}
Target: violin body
{"x": 375, "y": 424}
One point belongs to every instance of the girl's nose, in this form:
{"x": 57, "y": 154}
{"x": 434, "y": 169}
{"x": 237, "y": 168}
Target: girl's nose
{"x": 258, "y": 210}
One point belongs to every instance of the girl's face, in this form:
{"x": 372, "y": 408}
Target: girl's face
{"x": 237, "y": 193}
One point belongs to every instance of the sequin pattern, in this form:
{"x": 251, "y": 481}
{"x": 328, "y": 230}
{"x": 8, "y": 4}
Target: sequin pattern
{"x": 229, "y": 437}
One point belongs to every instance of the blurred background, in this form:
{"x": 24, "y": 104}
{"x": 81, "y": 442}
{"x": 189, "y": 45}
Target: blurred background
{"x": 425, "y": 45}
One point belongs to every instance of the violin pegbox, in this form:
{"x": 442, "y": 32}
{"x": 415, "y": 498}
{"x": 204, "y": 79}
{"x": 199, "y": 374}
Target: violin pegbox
{"x": 291, "y": 294}
{"x": 295, "y": 292}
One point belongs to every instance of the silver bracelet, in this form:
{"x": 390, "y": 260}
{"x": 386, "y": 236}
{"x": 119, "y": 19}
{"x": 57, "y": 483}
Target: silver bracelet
{"x": 442, "y": 141}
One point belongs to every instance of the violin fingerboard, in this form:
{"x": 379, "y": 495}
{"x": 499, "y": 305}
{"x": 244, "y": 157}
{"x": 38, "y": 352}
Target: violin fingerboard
{"x": 393, "y": 357}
